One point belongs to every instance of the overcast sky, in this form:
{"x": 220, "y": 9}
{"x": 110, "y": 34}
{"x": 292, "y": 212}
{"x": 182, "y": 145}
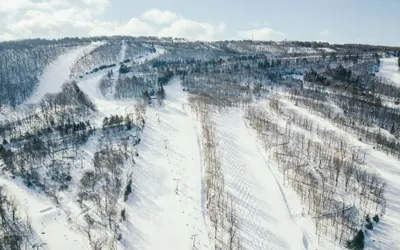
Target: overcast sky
{"x": 335, "y": 21}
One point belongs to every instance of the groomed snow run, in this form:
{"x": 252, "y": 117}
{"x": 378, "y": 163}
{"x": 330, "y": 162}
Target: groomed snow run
{"x": 390, "y": 70}
{"x": 169, "y": 155}
{"x": 264, "y": 216}
{"x": 57, "y": 72}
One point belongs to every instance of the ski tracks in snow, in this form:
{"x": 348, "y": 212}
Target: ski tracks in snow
{"x": 168, "y": 153}
{"x": 264, "y": 219}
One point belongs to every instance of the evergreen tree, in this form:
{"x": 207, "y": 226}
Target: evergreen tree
{"x": 392, "y": 130}
{"x": 357, "y": 243}
{"x": 398, "y": 61}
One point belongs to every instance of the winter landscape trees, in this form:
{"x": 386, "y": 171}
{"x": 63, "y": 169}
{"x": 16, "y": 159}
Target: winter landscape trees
{"x": 323, "y": 117}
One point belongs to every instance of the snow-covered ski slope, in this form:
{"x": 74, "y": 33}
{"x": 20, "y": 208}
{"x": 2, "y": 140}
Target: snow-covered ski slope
{"x": 389, "y": 168}
{"x": 167, "y": 209}
{"x": 169, "y": 158}
{"x": 264, "y": 216}
{"x": 158, "y": 217}
{"x": 390, "y": 70}
{"x": 57, "y": 73}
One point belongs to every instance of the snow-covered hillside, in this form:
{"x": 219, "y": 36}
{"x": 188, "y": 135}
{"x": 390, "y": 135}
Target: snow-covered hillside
{"x": 390, "y": 70}
{"x": 57, "y": 73}
{"x": 262, "y": 204}
{"x": 135, "y": 143}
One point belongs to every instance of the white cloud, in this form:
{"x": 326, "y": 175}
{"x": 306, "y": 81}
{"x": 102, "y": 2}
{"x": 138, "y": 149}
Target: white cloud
{"x": 259, "y": 24}
{"x": 65, "y": 22}
{"x": 14, "y": 5}
{"x": 134, "y": 27}
{"x": 160, "y": 17}
{"x": 6, "y": 37}
{"x": 263, "y": 34}
{"x": 9, "y": 6}
{"x": 98, "y": 5}
{"x": 192, "y": 30}
{"x": 84, "y": 21}
{"x": 221, "y": 27}
{"x": 96, "y": 2}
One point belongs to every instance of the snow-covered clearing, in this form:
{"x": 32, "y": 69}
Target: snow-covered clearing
{"x": 264, "y": 217}
{"x": 57, "y": 73}
{"x": 390, "y": 70}
{"x": 157, "y": 217}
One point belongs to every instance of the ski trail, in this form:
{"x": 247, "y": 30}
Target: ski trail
{"x": 57, "y": 72}
{"x": 107, "y": 105}
{"x": 263, "y": 214}
{"x": 382, "y": 236}
{"x": 305, "y": 237}
{"x": 203, "y": 184}
{"x": 390, "y": 70}
{"x": 121, "y": 58}
{"x": 168, "y": 158}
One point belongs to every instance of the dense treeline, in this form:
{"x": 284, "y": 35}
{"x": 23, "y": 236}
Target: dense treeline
{"x": 20, "y": 69}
